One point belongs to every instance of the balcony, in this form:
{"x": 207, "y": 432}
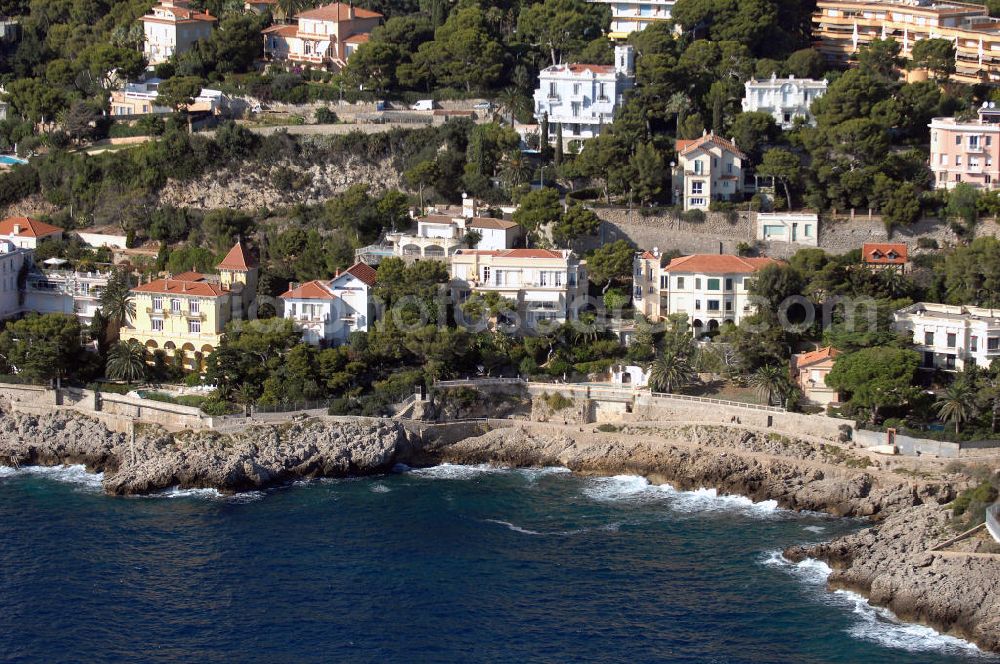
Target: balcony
{"x": 553, "y": 98}
{"x": 193, "y": 315}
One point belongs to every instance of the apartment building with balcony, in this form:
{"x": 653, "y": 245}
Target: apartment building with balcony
{"x": 712, "y": 289}
{"x": 326, "y": 36}
{"x": 966, "y": 151}
{"x": 784, "y": 99}
{"x": 583, "y": 97}
{"x": 141, "y": 99}
{"x": 171, "y": 28}
{"x": 13, "y": 260}
{"x": 951, "y": 337}
{"x": 840, "y": 28}
{"x": 328, "y": 311}
{"x": 628, "y": 16}
{"x": 65, "y": 292}
{"x": 545, "y": 284}
{"x": 187, "y": 313}
{"x": 707, "y": 168}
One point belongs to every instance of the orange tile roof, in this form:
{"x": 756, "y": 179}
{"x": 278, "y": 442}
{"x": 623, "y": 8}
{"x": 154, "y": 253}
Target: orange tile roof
{"x": 238, "y": 258}
{"x": 718, "y": 264}
{"x": 813, "y": 357}
{"x": 283, "y": 30}
{"x": 359, "y": 38}
{"x": 487, "y": 222}
{"x": 177, "y": 287}
{"x": 29, "y": 227}
{"x": 311, "y": 290}
{"x": 337, "y": 11}
{"x": 512, "y": 253}
{"x": 647, "y": 256}
{"x": 364, "y": 272}
{"x": 877, "y": 253}
{"x": 686, "y": 146}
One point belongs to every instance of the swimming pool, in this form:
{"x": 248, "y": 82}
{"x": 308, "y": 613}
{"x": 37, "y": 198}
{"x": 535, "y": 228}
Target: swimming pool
{"x": 11, "y": 161}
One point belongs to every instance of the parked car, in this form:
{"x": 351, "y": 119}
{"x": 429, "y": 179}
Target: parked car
{"x": 423, "y": 105}
{"x": 483, "y": 106}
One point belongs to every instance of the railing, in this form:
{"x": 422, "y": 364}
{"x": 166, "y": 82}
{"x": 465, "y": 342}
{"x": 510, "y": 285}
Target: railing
{"x": 993, "y": 520}
{"x": 720, "y": 402}
{"x": 476, "y": 382}
{"x": 293, "y": 407}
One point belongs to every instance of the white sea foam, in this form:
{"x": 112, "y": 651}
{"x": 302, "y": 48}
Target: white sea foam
{"x": 177, "y": 492}
{"x": 75, "y": 474}
{"x": 815, "y": 529}
{"x": 610, "y": 527}
{"x": 874, "y": 624}
{"x": 451, "y": 471}
{"x": 378, "y": 487}
{"x": 535, "y": 474}
{"x": 633, "y": 488}
{"x": 881, "y": 626}
{"x": 515, "y": 528}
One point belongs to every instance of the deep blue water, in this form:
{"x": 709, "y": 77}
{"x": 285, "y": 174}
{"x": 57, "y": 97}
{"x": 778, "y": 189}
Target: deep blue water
{"x": 450, "y": 564}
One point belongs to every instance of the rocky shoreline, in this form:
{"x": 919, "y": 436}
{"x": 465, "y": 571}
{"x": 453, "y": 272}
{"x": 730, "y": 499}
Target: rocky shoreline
{"x": 887, "y": 562}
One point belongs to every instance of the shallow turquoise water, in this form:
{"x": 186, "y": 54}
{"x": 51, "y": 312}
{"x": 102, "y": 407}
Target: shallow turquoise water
{"x": 450, "y": 564}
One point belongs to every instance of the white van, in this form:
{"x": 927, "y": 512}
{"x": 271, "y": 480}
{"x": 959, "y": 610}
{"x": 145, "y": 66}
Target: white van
{"x": 423, "y": 105}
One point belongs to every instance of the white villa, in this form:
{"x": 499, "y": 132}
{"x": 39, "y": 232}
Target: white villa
{"x": 583, "y": 98}
{"x": 711, "y": 289}
{"x": 26, "y": 233}
{"x": 12, "y": 259}
{"x": 784, "y": 99}
{"x": 951, "y": 337}
{"x": 441, "y": 235}
{"x": 791, "y": 227}
{"x": 140, "y": 99}
{"x": 628, "y": 16}
{"x": 172, "y": 27}
{"x": 545, "y": 284}
{"x": 708, "y": 168}
{"x": 65, "y": 292}
{"x": 329, "y": 311}
{"x": 326, "y": 36}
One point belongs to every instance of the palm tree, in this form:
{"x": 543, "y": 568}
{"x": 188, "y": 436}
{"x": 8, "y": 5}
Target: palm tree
{"x": 769, "y": 382}
{"x": 511, "y": 102}
{"x": 895, "y": 282}
{"x": 289, "y": 8}
{"x": 957, "y": 404}
{"x": 515, "y": 169}
{"x": 127, "y": 361}
{"x": 246, "y": 396}
{"x": 116, "y": 300}
{"x": 670, "y": 371}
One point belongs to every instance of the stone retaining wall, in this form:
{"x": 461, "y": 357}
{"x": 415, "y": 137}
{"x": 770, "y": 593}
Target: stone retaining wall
{"x": 910, "y": 446}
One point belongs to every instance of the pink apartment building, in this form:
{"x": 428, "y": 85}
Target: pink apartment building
{"x": 967, "y": 151}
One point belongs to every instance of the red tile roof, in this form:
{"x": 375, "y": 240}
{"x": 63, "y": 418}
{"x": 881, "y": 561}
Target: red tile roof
{"x": 283, "y": 30}
{"x": 364, "y": 272}
{"x": 311, "y": 290}
{"x": 337, "y": 11}
{"x": 359, "y": 38}
{"x": 28, "y": 227}
{"x": 885, "y": 253}
{"x": 816, "y": 356}
{"x": 176, "y": 287}
{"x": 685, "y": 146}
{"x": 647, "y": 256}
{"x": 718, "y": 264}
{"x": 238, "y": 258}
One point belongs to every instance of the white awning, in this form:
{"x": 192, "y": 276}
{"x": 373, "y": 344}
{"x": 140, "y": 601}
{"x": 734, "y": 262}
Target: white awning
{"x": 322, "y": 47}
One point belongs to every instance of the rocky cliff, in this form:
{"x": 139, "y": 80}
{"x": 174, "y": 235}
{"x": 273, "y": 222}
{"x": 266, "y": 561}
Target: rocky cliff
{"x": 256, "y": 457}
{"x": 890, "y": 564}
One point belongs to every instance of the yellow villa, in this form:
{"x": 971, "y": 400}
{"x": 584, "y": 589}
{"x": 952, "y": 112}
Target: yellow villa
{"x": 188, "y": 312}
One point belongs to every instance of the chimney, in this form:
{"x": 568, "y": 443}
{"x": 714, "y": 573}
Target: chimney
{"x": 17, "y": 229}
{"x": 350, "y": 11}
{"x": 468, "y": 206}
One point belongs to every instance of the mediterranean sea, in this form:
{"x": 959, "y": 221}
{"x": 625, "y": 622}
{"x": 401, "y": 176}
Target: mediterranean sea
{"x": 447, "y": 564}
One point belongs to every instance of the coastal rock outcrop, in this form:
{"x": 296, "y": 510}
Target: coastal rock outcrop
{"x": 255, "y": 457}
{"x": 890, "y": 563}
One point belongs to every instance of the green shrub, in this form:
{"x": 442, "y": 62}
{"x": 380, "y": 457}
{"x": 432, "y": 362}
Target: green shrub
{"x": 927, "y": 243}
{"x": 325, "y": 116}
{"x": 556, "y": 401}
{"x": 693, "y": 216}
{"x": 974, "y": 500}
